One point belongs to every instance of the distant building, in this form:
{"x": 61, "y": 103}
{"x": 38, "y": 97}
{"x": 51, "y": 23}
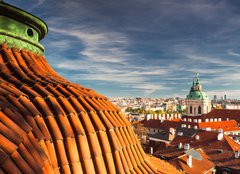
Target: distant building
{"x": 197, "y": 102}
{"x": 225, "y": 97}
{"x": 215, "y": 97}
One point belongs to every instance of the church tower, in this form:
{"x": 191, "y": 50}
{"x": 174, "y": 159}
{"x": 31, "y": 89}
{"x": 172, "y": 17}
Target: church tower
{"x": 198, "y": 102}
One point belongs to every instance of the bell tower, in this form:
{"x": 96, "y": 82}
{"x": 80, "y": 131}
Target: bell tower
{"x": 197, "y": 101}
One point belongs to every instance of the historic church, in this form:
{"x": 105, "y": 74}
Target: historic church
{"x": 197, "y": 101}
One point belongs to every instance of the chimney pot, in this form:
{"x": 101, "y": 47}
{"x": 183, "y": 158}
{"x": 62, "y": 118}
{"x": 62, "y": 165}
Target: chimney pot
{"x": 186, "y": 146}
{"x": 189, "y": 161}
{"x": 236, "y": 154}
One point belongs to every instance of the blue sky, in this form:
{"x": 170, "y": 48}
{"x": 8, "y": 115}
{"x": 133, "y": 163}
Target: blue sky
{"x": 143, "y": 48}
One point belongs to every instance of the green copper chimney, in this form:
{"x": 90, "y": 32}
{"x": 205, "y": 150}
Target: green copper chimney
{"x": 21, "y": 29}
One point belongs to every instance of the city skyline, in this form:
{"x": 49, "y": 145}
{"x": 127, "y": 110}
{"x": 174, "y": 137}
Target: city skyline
{"x": 143, "y": 48}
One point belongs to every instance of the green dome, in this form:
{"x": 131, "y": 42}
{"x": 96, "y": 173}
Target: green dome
{"x": 196, "y": 92}
{"x": 197, "y": 95}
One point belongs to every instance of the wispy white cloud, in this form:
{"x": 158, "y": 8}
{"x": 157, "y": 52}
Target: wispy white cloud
{"x": 100, "y": 46}
{"x": 232, "y": 53}
{"x": 37, "y": 4}
{"x": 114, "y": 39}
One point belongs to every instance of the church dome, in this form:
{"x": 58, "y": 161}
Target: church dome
{"x": 196, "y": 92}
{"x": 50, "y": 125}
{"x": 197, "y": 95}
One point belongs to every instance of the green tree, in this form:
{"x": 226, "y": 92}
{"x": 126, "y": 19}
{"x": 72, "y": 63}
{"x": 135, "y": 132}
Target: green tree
{"x": 141, "y": 132}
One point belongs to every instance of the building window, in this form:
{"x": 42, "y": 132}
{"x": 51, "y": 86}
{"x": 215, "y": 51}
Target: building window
{"x": 190, "y": 109}
{"x": 199, "y": 110}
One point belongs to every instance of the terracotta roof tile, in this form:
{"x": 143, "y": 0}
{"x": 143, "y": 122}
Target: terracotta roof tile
{"x": 54, "y": 91}
{"x": 76, "y": 105}
{"x": 50, "y": 125}
{"x": 53, "y": 128}
{"x": 17, "y": 119}
{"x": 83, "y": 146}
{"x": 12, "y": 125}
{"x": 42, "y": 90}
{"x": 4, "y": 156}
{"x": 52, "y": 154}
{"x": 86, "y": 121}
{"x": 42, "y": 107}
{"x": 54, "y": 106}
{"x": 12, "y": 136}
{"x": 97, "y": 122}
{"x": 29, "y": 106}
{"x": 10, "y": 167}
{"x": 28, "y": 158}
{"x": 76, "y": 124}
{"x": 23, "y": 166}
{"x": 43, "y": 127}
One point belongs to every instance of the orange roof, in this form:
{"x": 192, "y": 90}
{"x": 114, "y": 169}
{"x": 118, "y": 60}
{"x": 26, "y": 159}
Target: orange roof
{"x": 166, "y": 124}
{"x": 220, "y": 152}
{"x": 230, "y": 125}
{"x": 231, "y": 114}
{"x": 163, "y": 166}
{"x": 198, "y": 166}
{"x": 50, "y": 125}
{"x": 78, "y": 129}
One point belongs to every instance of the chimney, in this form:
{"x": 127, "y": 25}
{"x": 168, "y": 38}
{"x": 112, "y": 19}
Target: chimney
{"x": 220, "y": 134}
{"x": 151, "y": 150}
{"x": 180, "y": 133}
{"x": 197, "y": 137}
{"x": 172, "y": 130}
{"x": 162, "y": 119}
{"x": 171, "y": 133}
{"x": 180, "y": 145}
{"x": 189, "y": 161}
{"x": 186, "y": 146}
{"x": 183, "y": 125}
{"x": 236, "y": 154}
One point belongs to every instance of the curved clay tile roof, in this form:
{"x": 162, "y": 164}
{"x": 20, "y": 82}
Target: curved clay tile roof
{"x": 50, "y": 125}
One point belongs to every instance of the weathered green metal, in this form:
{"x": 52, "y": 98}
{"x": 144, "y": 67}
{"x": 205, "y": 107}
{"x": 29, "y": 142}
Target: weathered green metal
{"x": 21, "y": 29}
